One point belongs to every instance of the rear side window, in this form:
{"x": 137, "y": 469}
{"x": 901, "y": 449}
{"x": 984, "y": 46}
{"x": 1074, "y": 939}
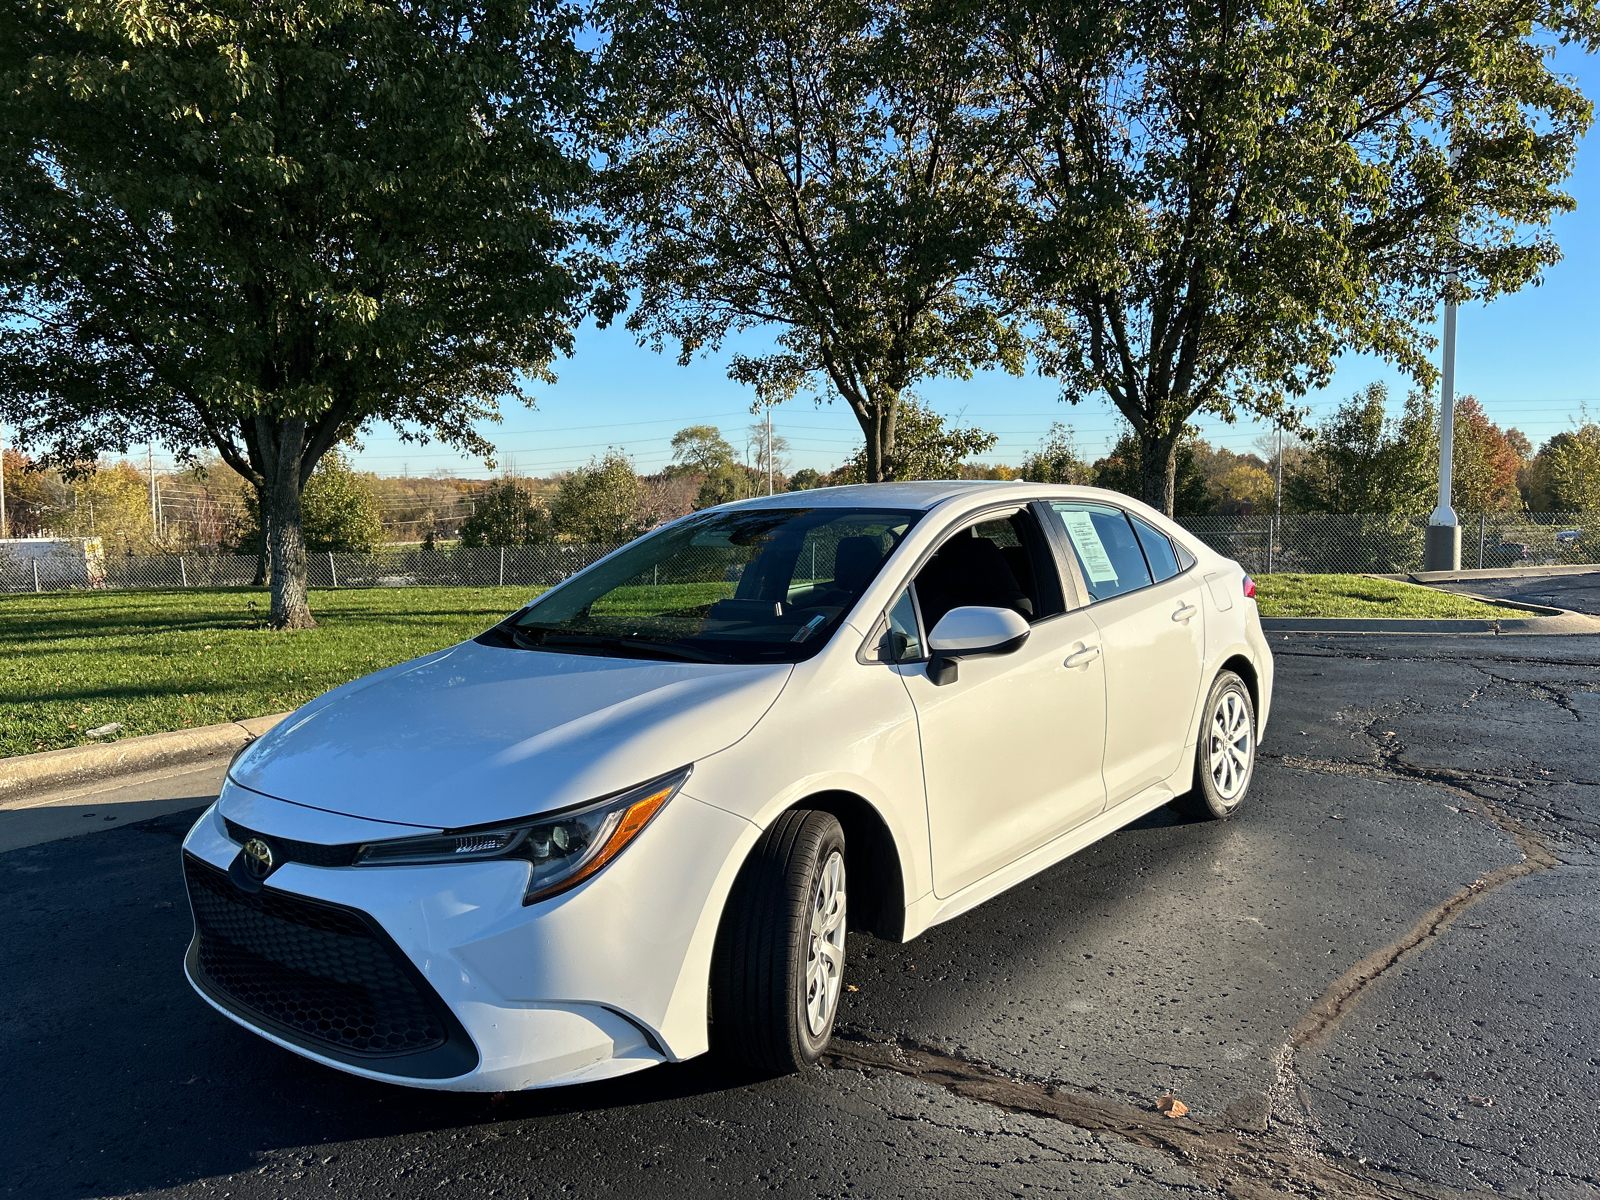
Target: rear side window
{"x": 1158, "y": 550}
{"x": 1106, "y": 547}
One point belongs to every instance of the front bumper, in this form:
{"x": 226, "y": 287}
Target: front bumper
{"x": 452, "y": 983}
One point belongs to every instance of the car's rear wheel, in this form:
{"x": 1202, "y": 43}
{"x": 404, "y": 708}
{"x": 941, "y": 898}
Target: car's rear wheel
{"x": 779, "y": 964}
{"x": 1225, "y": 757}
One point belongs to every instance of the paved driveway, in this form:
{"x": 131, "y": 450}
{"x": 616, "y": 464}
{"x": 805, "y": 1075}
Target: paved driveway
{"x": 1579, "y": 593}
{"x": 1379, "y": 980}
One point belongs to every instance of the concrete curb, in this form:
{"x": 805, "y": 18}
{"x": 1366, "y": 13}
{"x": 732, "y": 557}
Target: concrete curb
{"x": 1492, "y": 573}
{"x": 1567, "y": 624}
{"x": 28, "y": 773}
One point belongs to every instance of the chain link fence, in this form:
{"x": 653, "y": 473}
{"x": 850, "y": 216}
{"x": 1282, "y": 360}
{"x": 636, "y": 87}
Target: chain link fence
{"x": 511, "y": 566}
{"x": 1309, "y": 543}
{"x": 1380, "y": 544}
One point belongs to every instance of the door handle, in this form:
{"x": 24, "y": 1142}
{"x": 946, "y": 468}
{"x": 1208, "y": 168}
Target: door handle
{"x": 1184, "y": 612}
{"x": 1082, "y": 658}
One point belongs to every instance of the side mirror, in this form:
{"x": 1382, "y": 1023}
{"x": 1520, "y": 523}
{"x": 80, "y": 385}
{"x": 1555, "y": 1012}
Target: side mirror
{"x": 972, "y": 632}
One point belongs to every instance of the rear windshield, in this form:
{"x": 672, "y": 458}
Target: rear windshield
{"x": 753, "y": 585}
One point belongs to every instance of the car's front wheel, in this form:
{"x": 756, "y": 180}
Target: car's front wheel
{"x": 1225, "y": 758}
{"x": 779, "y": 963}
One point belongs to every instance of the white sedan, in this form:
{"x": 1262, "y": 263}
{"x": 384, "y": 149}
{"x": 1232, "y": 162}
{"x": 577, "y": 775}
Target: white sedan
{"x": 636, "y": 818}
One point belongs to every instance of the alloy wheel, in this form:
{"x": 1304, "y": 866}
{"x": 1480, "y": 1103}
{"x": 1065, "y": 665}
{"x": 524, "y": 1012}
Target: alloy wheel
{"x": 825, "y": 949}
{"x": 1231, "y": 746}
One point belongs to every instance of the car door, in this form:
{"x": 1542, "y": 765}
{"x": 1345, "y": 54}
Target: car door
{"x": 1011, "y": 749}
{"x": 1146, "y": 606}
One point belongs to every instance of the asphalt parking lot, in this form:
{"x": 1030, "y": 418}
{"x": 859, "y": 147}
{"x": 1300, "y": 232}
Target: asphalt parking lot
{"x": 1380, "y": 979}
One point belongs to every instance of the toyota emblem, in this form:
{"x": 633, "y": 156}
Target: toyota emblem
{"x": 258, "y": 858}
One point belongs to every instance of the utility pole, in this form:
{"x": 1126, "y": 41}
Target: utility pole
{"x": 150, "y": 464}
{"x": 1442, "y": 551}
{"x": 3, "y": 481}
{"x": 769, "y": 449}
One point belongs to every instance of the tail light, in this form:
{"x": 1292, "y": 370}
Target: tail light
{"x": 1249, "y": 588}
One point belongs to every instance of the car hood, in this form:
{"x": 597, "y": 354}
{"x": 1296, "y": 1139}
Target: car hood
{"x": 476, "y": 733}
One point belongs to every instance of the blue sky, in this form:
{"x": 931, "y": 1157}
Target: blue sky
{"x": 1532, "y": 358}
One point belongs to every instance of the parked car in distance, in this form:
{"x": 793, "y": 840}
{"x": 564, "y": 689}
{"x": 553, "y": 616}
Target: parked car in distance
{"x": 637, "y": 817}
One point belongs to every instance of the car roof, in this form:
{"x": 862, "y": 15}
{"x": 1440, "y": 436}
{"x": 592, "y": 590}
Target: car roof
{"x": 923, "y": 494}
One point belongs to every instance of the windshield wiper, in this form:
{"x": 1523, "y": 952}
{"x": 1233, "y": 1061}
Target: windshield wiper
{"x": 635, "y": 647}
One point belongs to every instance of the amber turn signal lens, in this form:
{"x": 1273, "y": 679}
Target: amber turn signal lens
{"x": 634, "y": 818}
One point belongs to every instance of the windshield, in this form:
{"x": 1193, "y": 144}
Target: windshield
{"x": 752, "y": 585}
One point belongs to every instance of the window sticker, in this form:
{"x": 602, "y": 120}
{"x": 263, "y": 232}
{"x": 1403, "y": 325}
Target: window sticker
{"x": 1086, "y": 540}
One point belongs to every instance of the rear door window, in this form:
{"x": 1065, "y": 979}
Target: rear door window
{"x": 1106, "y": 547}
{"x": 1158, "y": 550}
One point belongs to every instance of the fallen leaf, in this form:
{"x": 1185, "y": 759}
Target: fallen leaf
{"x": 1171, "y": 1106}
{"x": 1481, "y": 1101}
{"x": 850, "y": 987}
{"x": 1336, "y": 816}
{"x": 1434, "y": 1075}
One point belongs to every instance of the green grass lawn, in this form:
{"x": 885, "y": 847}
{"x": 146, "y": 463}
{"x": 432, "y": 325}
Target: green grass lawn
{"x": 1358, "y": 596}
{"x": 72, "y": 661}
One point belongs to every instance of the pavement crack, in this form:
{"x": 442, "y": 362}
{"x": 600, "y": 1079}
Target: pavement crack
{"x": 1236, "y": 1164}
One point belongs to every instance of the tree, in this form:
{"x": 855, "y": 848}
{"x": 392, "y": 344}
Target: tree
{"x": 830, "y": 168}
{"x": 338, "y": 511}
{"x": 602, "y": 502}
{"x": 1484, "y": 463}
{"x": 506, "y": 514}
{"x": 927, "y": 450}
{"x": 1057, "y": 460}
{"x": 703, "y": 450}
{"x": 1565, "y": 477}
{"x": 1226, "y": 197}
{"x": 1364, "y": 461}
{"x": 1121, "y": 471}
{"x": 263, "y": 227}
{"x": 804, "y": 480}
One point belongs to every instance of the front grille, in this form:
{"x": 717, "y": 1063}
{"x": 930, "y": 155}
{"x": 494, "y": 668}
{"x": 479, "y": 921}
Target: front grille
{"x": 319, "y": 974}
{"x": 287, "y": 850}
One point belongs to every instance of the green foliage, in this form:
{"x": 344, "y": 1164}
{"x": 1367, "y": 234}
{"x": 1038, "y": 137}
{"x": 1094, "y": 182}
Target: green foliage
{"x": 925, "y": 449}
{"x": 1057, "y": 460}
{"x": 701, "y": 448}
{"x": 266, "y": 226}
{"x": 1225, "y": 199}
{"x": 339, "y": 511}
{"x": 506, "y": 514}
{"x": 827, "y": 167}
{"x": 805, "y": 479}
{"x": 602, "y": 502}
{"x": 1565, "y": 477}
{"x": 1364, "y": 461}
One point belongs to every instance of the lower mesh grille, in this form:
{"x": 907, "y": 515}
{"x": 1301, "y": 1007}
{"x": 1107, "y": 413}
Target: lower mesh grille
{"x": 307, "y": 968}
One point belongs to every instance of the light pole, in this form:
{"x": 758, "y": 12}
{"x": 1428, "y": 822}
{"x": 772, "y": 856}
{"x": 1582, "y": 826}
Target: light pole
{"x": 2, "y": 481}
{"x": 1443, "y": 549}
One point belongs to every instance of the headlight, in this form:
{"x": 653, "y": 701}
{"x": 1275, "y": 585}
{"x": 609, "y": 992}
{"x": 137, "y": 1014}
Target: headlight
{"x": 564, "y": 848}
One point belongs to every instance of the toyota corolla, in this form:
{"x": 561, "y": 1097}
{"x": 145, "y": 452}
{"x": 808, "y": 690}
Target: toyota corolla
{"x": 635, "y": 819}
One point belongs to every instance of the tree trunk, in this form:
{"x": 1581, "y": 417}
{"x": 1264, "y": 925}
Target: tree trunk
{"x": 878, "y": 426}
{"x": 1158, "y": 468}
{"x": 291, "y": 608}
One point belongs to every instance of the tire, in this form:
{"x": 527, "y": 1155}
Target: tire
{"x": 775, "y": 986}
{"x": 1225, "y": 756}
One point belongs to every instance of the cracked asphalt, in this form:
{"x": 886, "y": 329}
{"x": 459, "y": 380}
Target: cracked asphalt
{"x": 1378, "y": 980}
